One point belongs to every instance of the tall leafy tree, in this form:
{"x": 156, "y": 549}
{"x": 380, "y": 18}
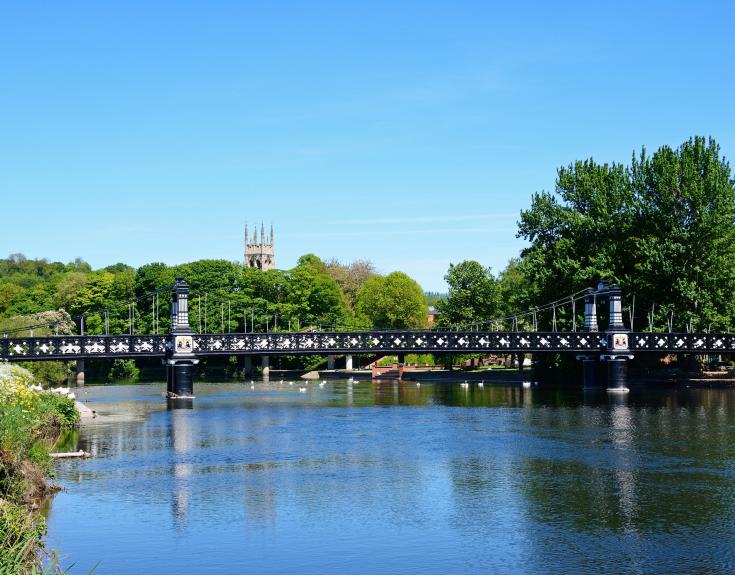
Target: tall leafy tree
{"x": 394, "y": 301}
{"x": 351, "y": 277}
{"x": 316, "y": 296}
{"x": 663, "y": 228}
{"x": 473, "y": 294}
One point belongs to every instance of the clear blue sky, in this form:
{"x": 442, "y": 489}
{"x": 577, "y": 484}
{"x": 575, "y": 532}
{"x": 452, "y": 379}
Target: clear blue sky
{"x": 407, "y": 133}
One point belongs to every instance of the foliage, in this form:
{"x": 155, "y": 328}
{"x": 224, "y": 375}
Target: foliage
{"x": 433, "y": 298}
{"x": 20, "y": 534}
{"x": 123, "y": 370}
{"x": 29, "y": 417}
{"x": 316, "y": 295}
{"x": 514, "y": 291}
{"x": 473, "y": 295}
{"x": 50, "y": 371}
{"x": 663, "y": 228}
{"x": 223, "y": 295}
{"x": 393, "y": 302}
{"x": 350, "y": 277}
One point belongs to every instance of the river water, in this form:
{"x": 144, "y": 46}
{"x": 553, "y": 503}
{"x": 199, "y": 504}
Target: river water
{"x": 395, "y": 478}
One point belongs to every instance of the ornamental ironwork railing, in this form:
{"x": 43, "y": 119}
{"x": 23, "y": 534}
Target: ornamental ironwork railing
{"x": 82, "y": 347}
{"x": 300, "y": 343}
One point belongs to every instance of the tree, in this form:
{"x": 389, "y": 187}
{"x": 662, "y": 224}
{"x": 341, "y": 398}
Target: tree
{"x": 513, "y": 289}
{"x": 663, "y": 228}
{"x": 685, "y": 203}
{"x": 316, "y": 297}
{"x": 472, "y": 297}
{"x": 394, "y": 302}
{"x": 350, "y": 277}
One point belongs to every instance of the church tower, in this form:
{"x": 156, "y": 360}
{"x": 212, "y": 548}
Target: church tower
{"x": 259, "y": 254}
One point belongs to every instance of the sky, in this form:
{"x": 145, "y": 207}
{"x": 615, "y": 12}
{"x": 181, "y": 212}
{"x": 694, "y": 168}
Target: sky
{"x": 407, "y": 133}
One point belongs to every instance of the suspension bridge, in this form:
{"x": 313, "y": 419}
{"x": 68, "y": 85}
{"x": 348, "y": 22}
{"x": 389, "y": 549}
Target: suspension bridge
{"x": 604, "y": 354}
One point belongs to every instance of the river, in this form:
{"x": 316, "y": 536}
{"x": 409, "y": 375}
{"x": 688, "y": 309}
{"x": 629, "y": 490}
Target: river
{"x": 394, "y": 478}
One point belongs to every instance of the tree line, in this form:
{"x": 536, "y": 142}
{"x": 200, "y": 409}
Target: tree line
{"x": 224, "y": 296}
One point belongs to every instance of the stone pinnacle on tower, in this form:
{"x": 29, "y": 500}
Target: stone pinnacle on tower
{"x": 271, "y": 238}
{"x": 262, "y": 234}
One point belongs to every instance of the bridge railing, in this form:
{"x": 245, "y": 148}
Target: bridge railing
{"x": 73, "y": 346}
{"x": 682, "y": 342}
{"x": 417, "y": 341}
{"x": 423, "y": 341}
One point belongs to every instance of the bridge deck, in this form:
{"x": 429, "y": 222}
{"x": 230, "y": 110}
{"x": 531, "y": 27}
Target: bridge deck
{"x": 321, "y": 343}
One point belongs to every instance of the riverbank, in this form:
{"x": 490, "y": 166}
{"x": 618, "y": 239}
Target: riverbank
{"x": 31, "y": 420}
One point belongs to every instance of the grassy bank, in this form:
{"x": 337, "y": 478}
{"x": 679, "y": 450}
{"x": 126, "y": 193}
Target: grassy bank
{"x": 30, "y": 421}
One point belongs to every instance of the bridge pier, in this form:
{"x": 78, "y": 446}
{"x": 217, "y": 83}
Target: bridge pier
{"x": 265, "y": 363}
{"x": 180, "y": 378}
{"x": 80, "y": 373}
{"x": 247, "y": 365}
{"x": 330, "y": 361}
{"x": 348, "y": 362}
{"x": 591, "y": 371}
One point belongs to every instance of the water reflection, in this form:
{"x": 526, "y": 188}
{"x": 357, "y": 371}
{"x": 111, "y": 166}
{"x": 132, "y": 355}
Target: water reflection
{"x": 392, "y": 477}
{"x": 182, "y": 442}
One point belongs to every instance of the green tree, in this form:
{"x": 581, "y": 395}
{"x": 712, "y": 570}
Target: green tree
{"x": 472, "y": 297}
{"x": 316, "y": 297}
{"x": 350, "y": 277}
{"x": 394, "y": 302}
{"x": 685, "y": 203}
{"x": 662, "y": 228}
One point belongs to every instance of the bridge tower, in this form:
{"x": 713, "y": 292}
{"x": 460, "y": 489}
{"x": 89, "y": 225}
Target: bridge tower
{"x": 180, "y": 359}
{"x": 610, "y": 364}
{"x": 617, "y": 353}
{"x": 590, "y": 361}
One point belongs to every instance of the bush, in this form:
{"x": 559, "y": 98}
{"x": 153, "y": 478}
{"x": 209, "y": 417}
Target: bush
{"x": 49, "y": 371}
{"x": 123, "y": 370}
{"x": 29, "y": 419}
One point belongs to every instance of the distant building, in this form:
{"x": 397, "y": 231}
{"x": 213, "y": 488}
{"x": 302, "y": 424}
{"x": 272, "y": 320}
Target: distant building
{"x": 431, "y": 317}
{"x": 259, "y": 254}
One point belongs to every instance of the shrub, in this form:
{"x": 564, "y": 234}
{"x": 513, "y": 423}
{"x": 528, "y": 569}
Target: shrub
{"x": 29, "y": 419}
{"x": 50, "y": 371}
{"x": 123, "y": 370}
